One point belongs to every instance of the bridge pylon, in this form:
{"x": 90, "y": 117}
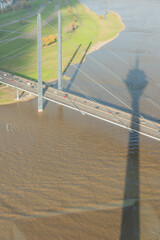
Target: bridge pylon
{"x": 39, "y": 60}
{"x": 17, "y": 94}
{"x": 60, "y": 82}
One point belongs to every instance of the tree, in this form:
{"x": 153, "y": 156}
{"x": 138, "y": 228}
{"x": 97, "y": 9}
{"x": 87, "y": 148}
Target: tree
{"x": 68, "y": 29}
{"x": 69, "y": 9}
{"x": 74, "y": 26}
{"x": 48, "y": 40}
{"x": 74, "y": 19}
{"x": 22, "y": 22}
{"x": 101, "y": 16}
{"x": 44, "y": 41}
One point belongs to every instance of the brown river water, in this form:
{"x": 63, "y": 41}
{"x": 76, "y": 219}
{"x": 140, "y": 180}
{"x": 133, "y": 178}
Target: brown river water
{"x": 68, "y": 176}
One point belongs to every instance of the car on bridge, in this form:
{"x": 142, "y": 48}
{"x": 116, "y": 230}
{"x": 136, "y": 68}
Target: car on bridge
{"x": 29, "y": 83}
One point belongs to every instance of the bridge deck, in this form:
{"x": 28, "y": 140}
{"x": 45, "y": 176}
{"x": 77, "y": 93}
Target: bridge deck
{"x": 85, "y": 106}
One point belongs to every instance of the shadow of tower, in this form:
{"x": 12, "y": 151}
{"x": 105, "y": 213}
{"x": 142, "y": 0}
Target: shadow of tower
{"x": 130, "y": 226}
{"x": 78, "y": 68}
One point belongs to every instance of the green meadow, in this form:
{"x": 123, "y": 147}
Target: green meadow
{"x": 18, "y": 44}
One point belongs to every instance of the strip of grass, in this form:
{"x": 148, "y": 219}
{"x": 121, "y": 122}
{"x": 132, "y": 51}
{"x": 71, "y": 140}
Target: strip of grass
{"x": 90, "y": 31}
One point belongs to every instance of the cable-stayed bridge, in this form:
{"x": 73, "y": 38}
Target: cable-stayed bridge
{"x": 130, "y": 117}
{"x": 89, "y": 106}
{"x": 84, "y": 106}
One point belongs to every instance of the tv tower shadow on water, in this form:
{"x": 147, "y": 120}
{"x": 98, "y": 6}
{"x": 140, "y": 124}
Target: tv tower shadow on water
{"x": 136, "y": 82}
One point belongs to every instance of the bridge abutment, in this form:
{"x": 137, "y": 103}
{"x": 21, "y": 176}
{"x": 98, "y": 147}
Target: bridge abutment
{"x": 17, "y": 94}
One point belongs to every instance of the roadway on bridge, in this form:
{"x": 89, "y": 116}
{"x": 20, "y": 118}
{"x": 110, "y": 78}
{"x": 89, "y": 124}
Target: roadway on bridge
{"x": 85, "y": 106}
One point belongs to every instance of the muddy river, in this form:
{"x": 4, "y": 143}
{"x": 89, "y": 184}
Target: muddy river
{"x": 68, "y": 176}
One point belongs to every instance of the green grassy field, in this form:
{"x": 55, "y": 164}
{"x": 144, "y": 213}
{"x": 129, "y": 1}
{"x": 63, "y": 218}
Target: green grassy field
{"x": 19, "y": 56}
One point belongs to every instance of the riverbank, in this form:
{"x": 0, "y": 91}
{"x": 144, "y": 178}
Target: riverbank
{"x": 98, "y": 45}
{"x": 8, "y": 96}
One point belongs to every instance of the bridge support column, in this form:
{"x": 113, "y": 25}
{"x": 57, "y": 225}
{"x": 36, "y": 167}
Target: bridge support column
{"x": 39, "y": 52}
{"x": 60, "y": 83}
{"x": 17, "y": 94}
